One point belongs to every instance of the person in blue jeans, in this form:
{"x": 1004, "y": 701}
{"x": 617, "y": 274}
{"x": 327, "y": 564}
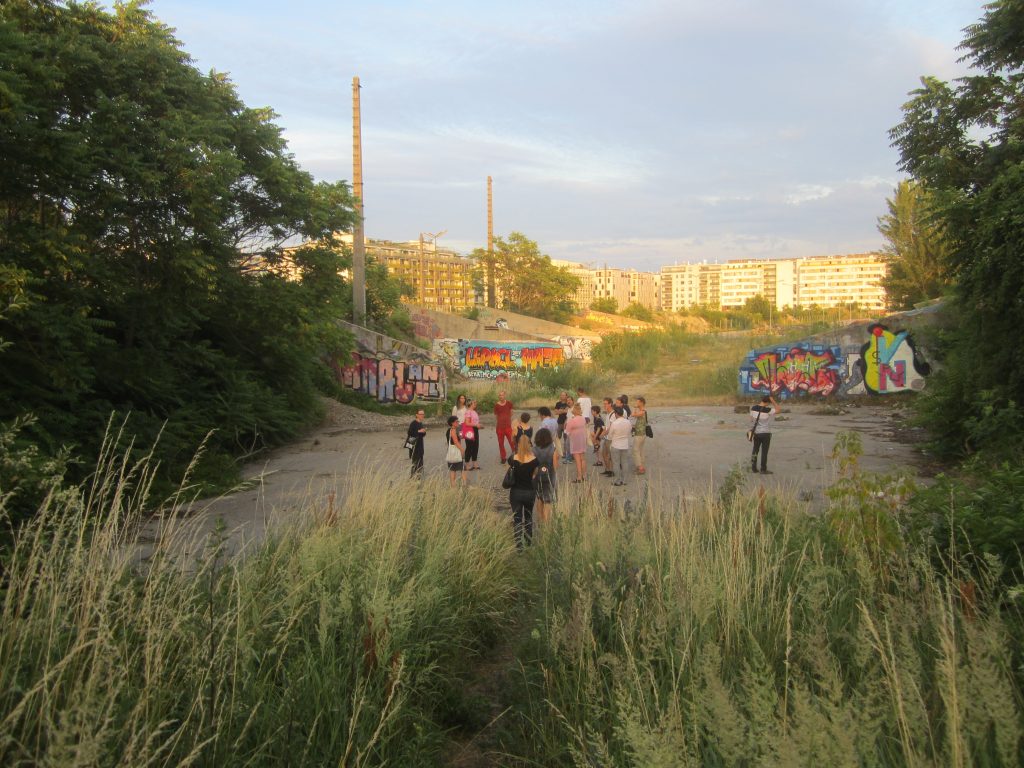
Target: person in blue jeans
{"x": 762, "y": 416}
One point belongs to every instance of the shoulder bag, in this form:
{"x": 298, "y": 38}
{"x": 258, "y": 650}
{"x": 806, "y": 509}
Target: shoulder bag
{"x": 453, "y": 455}
{"x": 750, "y": 432}
{"x": 509, "y": 479}
{"x": 410, "y": 443}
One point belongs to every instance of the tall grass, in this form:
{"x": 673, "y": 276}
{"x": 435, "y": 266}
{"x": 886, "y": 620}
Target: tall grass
{"x": 337, "y": 641}
{"x": 733, "y": 629}
{"x": 749, "y": 633}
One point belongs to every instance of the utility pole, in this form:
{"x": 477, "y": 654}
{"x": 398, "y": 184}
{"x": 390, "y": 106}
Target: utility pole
{"x": 358, "y": 235}
{"x": 492, "y": 300}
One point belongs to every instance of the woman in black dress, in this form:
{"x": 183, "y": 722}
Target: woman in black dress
{"x": 522, "y": 495}
{"x": 416, "y": 432}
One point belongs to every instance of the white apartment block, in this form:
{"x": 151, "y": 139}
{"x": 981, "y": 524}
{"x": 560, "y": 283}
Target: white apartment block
{"x": 836, "y": 280}
{"x": 583, "y": 297}
{"x": 824, "y": 281}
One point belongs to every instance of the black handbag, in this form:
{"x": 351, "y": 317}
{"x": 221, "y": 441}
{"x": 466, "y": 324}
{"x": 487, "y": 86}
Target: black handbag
{"x": 648, "y": 431}
{"x": 509, "y": 479}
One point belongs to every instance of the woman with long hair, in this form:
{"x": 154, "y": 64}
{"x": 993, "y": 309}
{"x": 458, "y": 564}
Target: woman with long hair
{"x": 456, "y": 459}
{"x": 459, "y": 410}
{"x": 521, "y": 495}
{"x": 471, "y": 434}
{"x": 546, "y": 481}
{"x": 576, "y": 430}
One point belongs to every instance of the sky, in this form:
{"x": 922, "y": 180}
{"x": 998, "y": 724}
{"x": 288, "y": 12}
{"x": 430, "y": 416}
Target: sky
{"x": 627, "y": 133}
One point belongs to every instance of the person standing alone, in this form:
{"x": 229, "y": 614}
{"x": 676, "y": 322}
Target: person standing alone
{"x": 503, "y": 413}
{"x": 416, "y": 432}
{"x": 762, "y": 416}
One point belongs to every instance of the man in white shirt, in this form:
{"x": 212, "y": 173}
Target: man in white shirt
{"x": 762, "y": 416}
{"x": 618, "y": 438}
{"x": 584, "y": 402}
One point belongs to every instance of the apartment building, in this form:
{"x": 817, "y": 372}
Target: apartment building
{"x": 583, "y": 296}
{"x": 440, "y": 279}
{"x": 824, "y": 281}
{"x": 643, "y": 288}
{"x": 836, "y": 280}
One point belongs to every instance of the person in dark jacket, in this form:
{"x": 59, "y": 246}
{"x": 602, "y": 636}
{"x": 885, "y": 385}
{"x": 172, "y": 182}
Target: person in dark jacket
{"x": 417, "y": 431}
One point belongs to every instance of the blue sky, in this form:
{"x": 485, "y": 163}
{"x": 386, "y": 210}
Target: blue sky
{"x": 635, "y": 133}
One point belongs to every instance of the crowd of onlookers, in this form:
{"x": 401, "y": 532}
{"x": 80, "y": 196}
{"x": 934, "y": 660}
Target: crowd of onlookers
{"x": 564, "y": 434}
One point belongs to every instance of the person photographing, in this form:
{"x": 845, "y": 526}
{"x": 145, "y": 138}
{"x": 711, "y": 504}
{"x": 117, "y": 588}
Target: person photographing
{"x": 762, "y": 416}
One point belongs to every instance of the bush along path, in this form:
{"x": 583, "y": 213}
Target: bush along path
{"x": 402, "y": 627}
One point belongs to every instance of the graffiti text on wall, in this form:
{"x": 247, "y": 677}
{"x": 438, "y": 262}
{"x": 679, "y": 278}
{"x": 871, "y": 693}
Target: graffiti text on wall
{"x": 889, "y": 362}
{"x": 886, "y": 364}
{"x": 798, "y": 370}
{"x": 393, "y": 381}
{"x": 488, "y": 359}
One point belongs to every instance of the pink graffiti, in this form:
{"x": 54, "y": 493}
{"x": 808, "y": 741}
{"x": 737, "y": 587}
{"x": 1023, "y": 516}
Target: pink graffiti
{"x": 798, "y": 371}
{"x": 392, "y": 381}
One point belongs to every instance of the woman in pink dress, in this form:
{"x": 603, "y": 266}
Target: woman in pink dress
{"x": 576, "y": 429}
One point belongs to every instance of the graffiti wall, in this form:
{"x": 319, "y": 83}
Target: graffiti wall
{"x": 390, "y": 370}
{"x": 480, "y": 359}
{"x": 885, "y": 363}
{"x": 889, "y": 362}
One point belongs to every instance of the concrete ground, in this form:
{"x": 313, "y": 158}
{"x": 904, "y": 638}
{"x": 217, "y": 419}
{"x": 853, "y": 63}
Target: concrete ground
{"x": 693, "y": 449}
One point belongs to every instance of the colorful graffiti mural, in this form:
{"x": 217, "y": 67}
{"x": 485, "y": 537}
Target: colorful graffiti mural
{"x": 487, "y": 359}
{"x": 886, "y": 363}
{"x": 800, "y": 369}
{"x": 393, "y": 381}
{"x": 390, "y": 370}
{"x": 481, "y": 359}
{"x": 889, "y": 362}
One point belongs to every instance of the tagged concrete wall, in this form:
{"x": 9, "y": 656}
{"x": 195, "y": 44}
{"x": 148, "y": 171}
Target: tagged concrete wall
{"x": 487, "y": 359}
{"x": 390, "y": 370}
{"x": 871, "y": 359}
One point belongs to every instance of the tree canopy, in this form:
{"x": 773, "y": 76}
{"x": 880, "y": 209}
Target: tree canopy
{"x": 965, "y": 143}
{"x": 915, "y": 247}
{"x": 142, "y": 209}
{"x": 527, "y": 280}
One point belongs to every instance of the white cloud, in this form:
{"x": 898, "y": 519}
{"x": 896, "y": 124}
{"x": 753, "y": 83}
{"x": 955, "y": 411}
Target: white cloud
{"x": 806, "y": 193}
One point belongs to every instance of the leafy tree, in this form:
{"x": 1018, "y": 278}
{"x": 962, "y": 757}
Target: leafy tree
{"x": 639, "y": 312}
{"x": 965, "y": 143}
{"x": 758, "y": 307}
{"x": 529, "y": 282}
{"x": 607, "y": 304}
{"x": 140, "y": 203}
{"x": 915, "y": 247}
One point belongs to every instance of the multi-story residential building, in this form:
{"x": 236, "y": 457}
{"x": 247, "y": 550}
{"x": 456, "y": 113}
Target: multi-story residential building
{"x": 583, "y": 296}
{"x": 612, "y": 284}
{"x": 828, "y": 281}
{"x": 824, "y": 281}
{"x": 439, "y": 278}
{"x": 687, "y": 285}
{"x": 643, "y": 288}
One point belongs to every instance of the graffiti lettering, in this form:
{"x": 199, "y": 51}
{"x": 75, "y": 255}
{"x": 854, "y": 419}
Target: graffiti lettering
{"x": 887, "y": 363}
{"x": 798, "y": 370}
{"x": 392, "y": 381}
{"x": 890, "y": 363}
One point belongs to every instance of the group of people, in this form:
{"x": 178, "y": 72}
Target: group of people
{"x": 611, "y": 430}
{"x": 563, "y": 436}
